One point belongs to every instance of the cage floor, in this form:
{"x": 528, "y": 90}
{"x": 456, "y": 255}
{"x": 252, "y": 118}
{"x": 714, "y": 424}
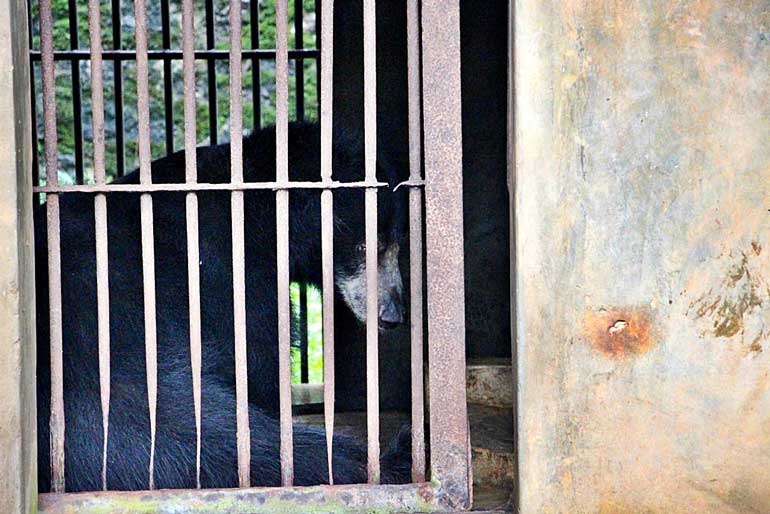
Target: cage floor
{"x": 491, "y": 423}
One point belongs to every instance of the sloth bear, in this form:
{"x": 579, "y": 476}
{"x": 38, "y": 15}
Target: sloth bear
{"x": 484, "y": 68}
{"x": 128, "y": 444}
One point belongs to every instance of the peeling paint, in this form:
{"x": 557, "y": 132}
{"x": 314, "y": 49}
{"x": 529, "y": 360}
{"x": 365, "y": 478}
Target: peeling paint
{"x": 740, "y": 304}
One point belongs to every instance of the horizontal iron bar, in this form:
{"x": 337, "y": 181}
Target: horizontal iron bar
{"x": 324, "y": 498}
{"x": 130, "y": 55}
{"x": 200, "y": 186}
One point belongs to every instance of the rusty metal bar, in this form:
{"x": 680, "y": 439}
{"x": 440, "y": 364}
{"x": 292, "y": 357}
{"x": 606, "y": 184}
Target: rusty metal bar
{"x": 193, "y": 257}
{"x": 193, "y": 272}
{"x": 318, "y": 16}
{"x": 212, "y": 73}
{"x": 33, "y": 104}
{"x": 511, "y": 165}
{"x": 56, "y": 422}
{"x": 241, "y": 371}
{"x": 282, "y": 229}
{"x": 256, "y": 82}
{"x": 303, "y": 342}
{"x": 151, "y": 350}
{"x": 77, "y": 111}
{"x": 416, "y": 305}
{"x": 370, "y": 199}
{"x": 325, "y": 19}
{"x": 449, "y": 441}
{"x": 327, "y": 264}
{"x": 349, "y": 499}
{"x": 172, "y": 54}
{"x": 100, "y": 213}
{"x": 299, "y": 64}
{"x": 415, "y": 239}
{"x": 239, "y": 272}
{"x": 118, "y": 76}
{"x": 168, "y": 92}
{"x": 103, "y": 315}
{"x": 33, "y": 117}
{"x": 148, "y": 243}
{"x": 200, "y": 186}
{"x": 372, "y": 361}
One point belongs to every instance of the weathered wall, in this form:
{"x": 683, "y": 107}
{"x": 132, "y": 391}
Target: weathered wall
{"x": 643, "y": 199}
{"x": 18, "y": 472}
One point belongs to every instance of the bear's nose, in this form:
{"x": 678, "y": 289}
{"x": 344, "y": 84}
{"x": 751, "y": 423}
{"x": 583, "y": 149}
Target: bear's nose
{"x": 391, "y": 315}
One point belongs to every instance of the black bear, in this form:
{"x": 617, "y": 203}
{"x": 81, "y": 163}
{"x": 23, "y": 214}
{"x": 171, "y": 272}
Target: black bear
{"x": 128, "y": 445}
{"x": 483, "y": 35}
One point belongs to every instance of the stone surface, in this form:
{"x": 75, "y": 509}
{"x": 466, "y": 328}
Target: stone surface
{"x": 643, "y": 255}
{"x": 18, "y": 470}
{"x": 490, "y": 382}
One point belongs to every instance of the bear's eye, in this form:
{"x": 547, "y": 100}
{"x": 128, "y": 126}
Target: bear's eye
{"x": 381, "y": 248}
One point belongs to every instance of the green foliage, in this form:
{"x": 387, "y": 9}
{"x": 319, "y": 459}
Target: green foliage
{"x": 265, "y": 74}
{"x": 314, "y": 335}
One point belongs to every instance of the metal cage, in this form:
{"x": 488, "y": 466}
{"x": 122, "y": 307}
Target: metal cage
{"x": 434, "y": 70}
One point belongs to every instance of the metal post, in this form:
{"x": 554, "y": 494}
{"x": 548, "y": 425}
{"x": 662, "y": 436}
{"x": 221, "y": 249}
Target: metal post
{"x": 450, "y": 455}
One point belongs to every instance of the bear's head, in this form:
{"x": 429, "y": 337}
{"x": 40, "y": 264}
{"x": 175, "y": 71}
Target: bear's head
{"x": 349, "y": 221}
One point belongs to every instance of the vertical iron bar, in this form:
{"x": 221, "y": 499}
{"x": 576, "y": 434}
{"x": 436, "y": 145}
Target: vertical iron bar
{"x": 56, "y": 422}
{"x": 103, "y": 313}
{"x": 318, "y": 28}
{"x": 303, "y": 342}
{"x": 168, "y": 93}
{"x": 100, "y": 213}
{"x": 511, "y": 165}
{"x": 54, "y": 252}
{"x": 299, "y": 64}
{"x": 33, "y": 97}
{"x": 193, "y": 257}
{"x": 212, "y": 73}
{"x": 76, "y": 95}
{"x": 449, "y": 443}
{"x": 118, "y": 76}
{"x": 282, "y": 229}
{"x": 372, "y": 361}
{"x": 239, "y": 272}
{"x": 325, "y": 83}
{"x": 256, "y": 80}
{"x": 148, "y": 245}
{"x": 370, "y": 137}
{"x": 415, "y": 240}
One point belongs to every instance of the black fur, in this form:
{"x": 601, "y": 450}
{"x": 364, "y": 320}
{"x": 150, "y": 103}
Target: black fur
{"x": 129, "y": 437}
{"x": 483, "y": 32}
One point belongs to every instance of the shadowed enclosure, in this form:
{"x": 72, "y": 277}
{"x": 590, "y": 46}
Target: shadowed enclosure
{"x": 129, "y": 113}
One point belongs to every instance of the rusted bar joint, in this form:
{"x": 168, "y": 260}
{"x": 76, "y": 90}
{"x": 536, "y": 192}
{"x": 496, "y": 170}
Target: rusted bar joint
{"x": 410, "y": 183}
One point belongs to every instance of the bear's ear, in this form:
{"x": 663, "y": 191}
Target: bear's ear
{"x": 392, "y": 165}
{"x": 347, "y": 155}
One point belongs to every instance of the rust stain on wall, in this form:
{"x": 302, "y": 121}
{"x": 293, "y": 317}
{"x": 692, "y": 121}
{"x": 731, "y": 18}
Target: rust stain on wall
{"x": 619, "y": 333}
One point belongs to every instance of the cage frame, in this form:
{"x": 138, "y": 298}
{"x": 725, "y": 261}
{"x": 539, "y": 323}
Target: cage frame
{"x": 449, "y": 487}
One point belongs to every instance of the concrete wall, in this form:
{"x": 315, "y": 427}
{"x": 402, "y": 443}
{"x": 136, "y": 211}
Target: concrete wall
{"x": 643, "y": 199}
{"x": 18, "y": 472}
